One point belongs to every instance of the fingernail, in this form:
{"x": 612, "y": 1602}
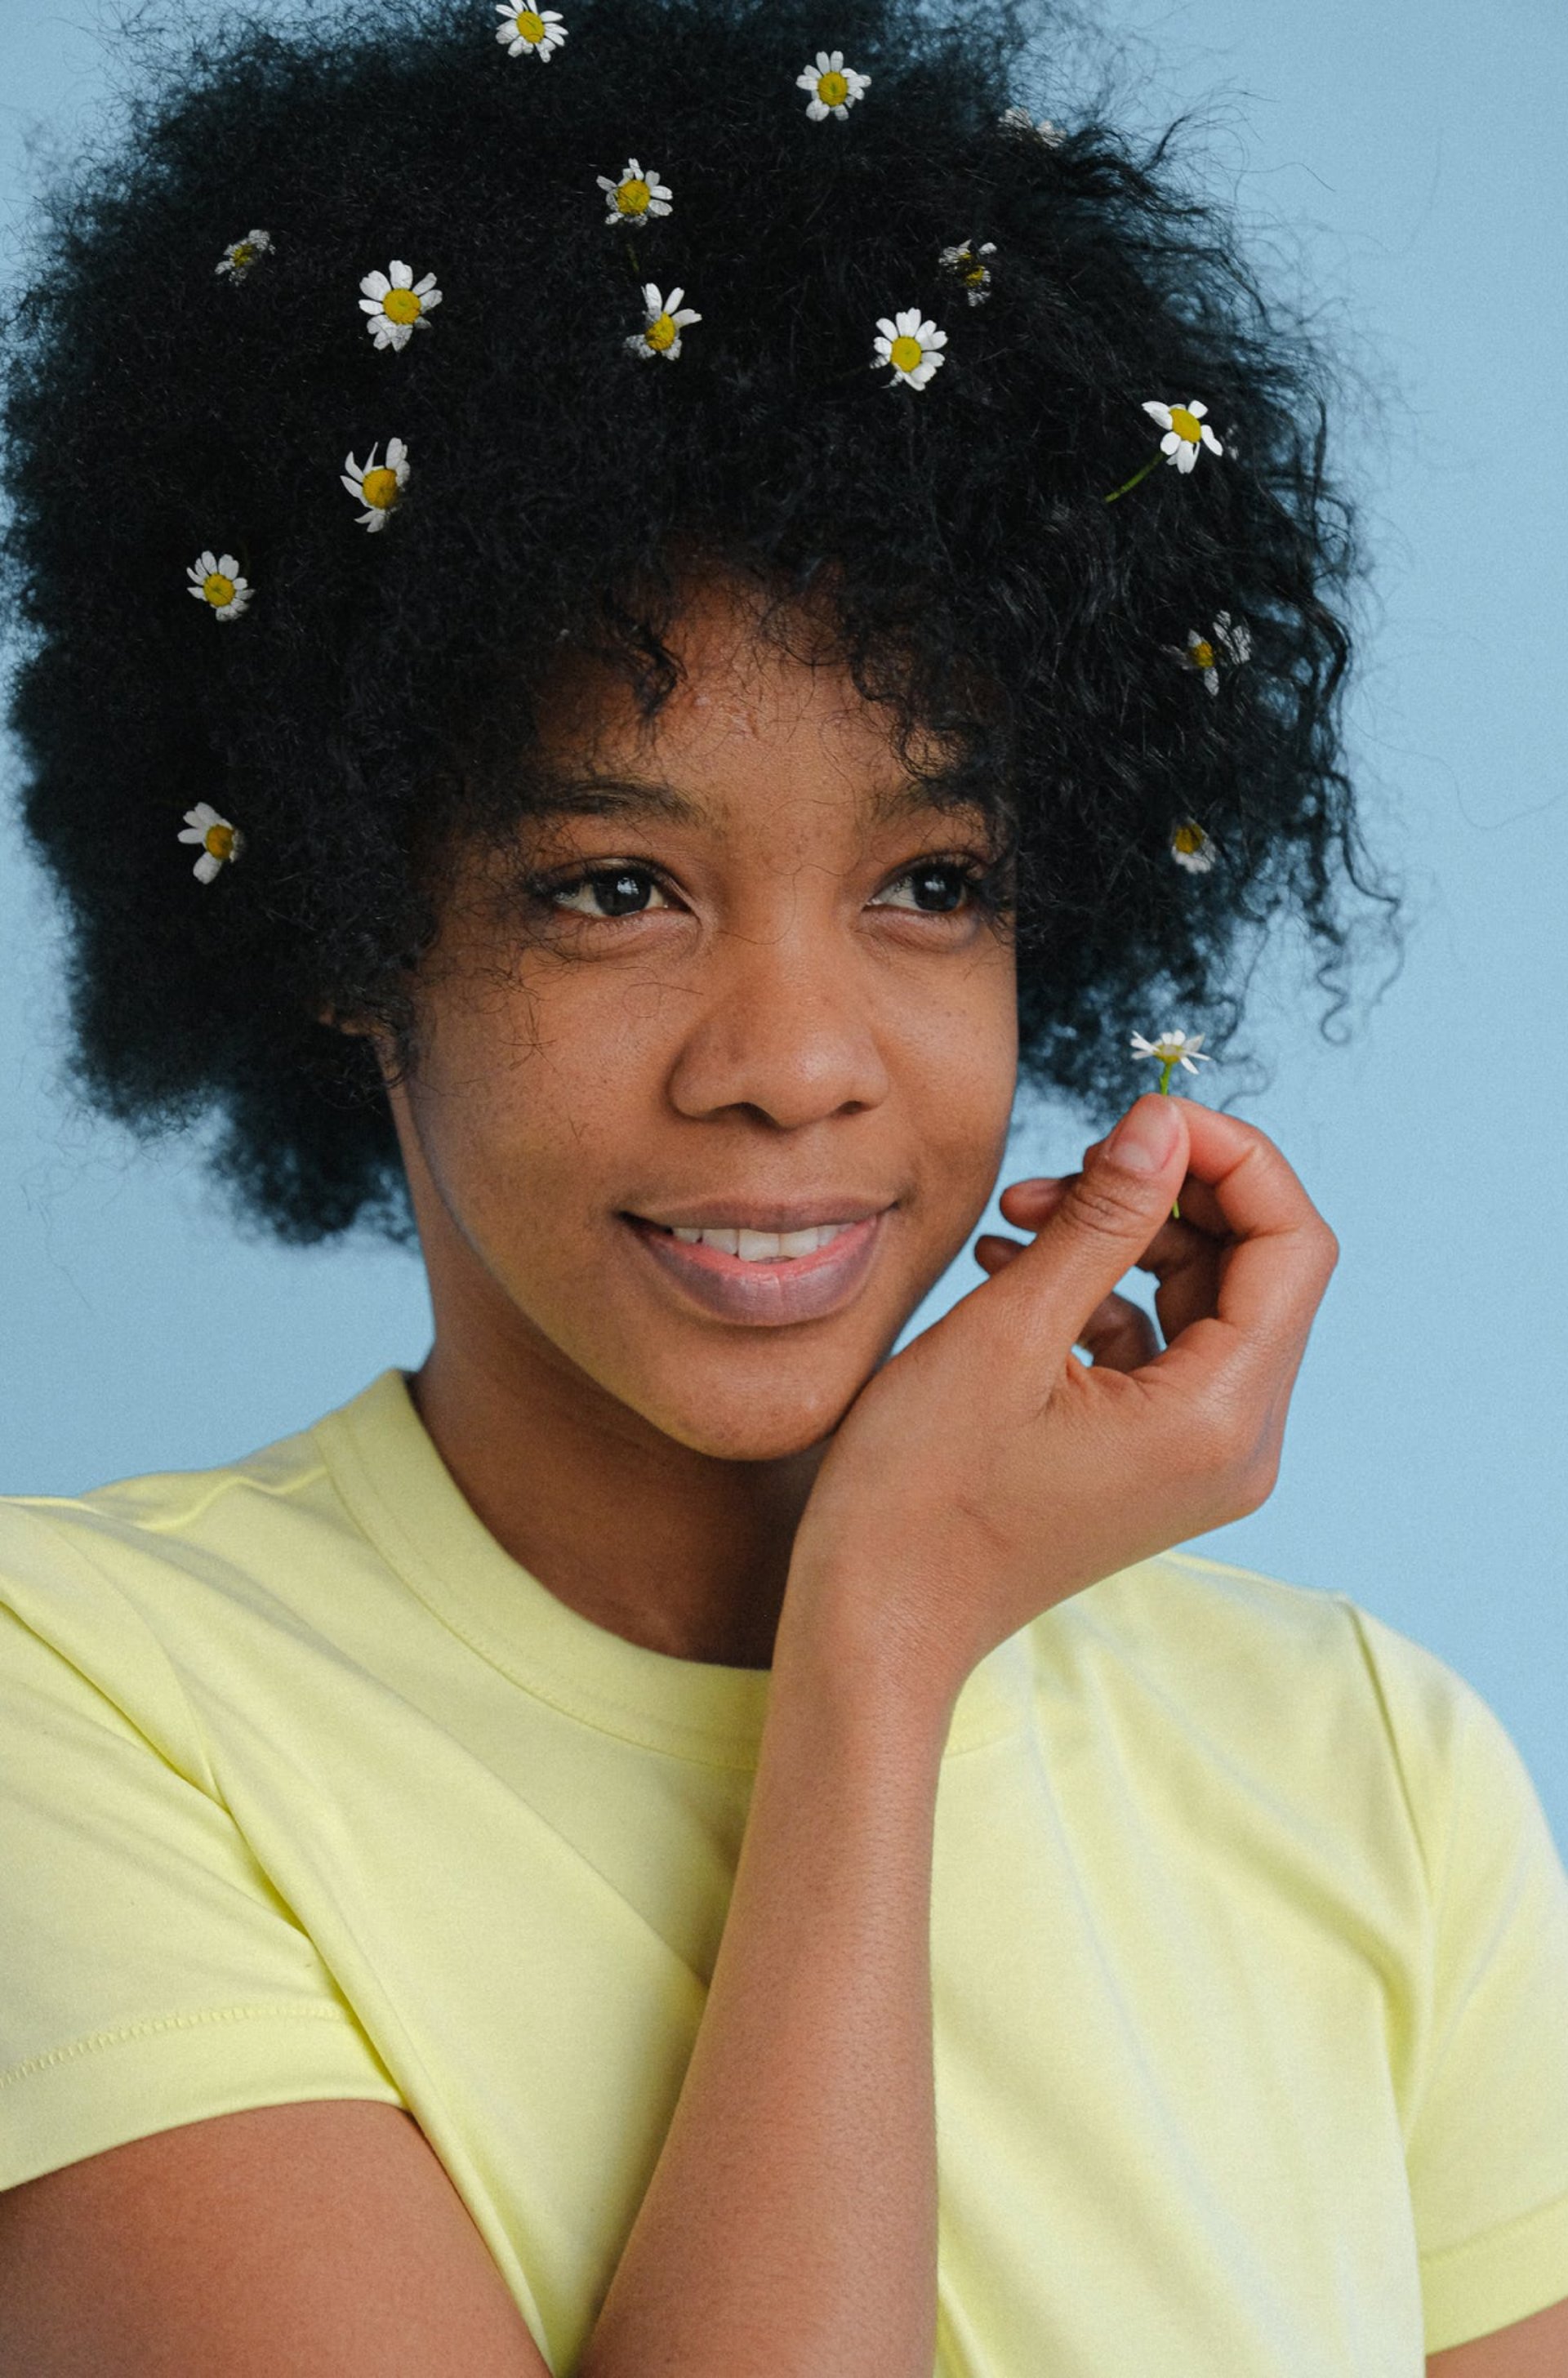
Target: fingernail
{"x": 1143, "y": 1139}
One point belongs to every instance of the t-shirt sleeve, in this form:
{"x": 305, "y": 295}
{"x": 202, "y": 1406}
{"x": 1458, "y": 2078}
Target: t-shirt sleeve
{"x": 149, "y": 1975}
{"x": 1487, "y": 2144}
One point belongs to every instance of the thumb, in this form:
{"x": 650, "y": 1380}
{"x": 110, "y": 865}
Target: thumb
{"x": 1109, "y": 1216}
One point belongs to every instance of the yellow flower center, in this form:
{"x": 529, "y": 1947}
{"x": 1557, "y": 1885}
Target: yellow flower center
{"x": 220, "y": 841}
{"x": 530, "y": 25}
{"x": 218, "y": 589}
{"x": 833, "y": 90}
{"x": 977, "y": 275}
{"x": 243, "y": 254}
{"x": 905, "y": 354}
{"x": 379, "y": 488}
{"x": 1186, "y": 424}
{"x": 401, "y": 306}
{"x": 1190, "y": 838}
{"x": 633, "y": 197}
{"x": 660, "y": 334}
{"x": 1202, "y": 655}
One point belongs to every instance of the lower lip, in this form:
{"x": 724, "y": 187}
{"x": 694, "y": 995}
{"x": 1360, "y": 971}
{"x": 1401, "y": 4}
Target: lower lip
{"x": 803, "y": 1288}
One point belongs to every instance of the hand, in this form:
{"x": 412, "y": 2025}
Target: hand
{"x": 984, "y": 1474}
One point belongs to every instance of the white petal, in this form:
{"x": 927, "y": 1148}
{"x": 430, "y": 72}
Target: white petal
{"x": 206, "y": 867}
{"x": 805, "y": 79}
{"x": 651, "y": 299}
{"x": 673, "y": 300}
{"x": 1171, "y": 442}
{"x": 228, "y": 565}
{"x": 817, "y": 110}
{"x": 207, "y": 562}
{"x": 1212, "y": 679}
{"x": 396, "y": 450}
{"x": 1196, "y": 410}
{"x": 402, "y": 274}
{"x": 1188, "y": 456}
{"x": 423, "y": 288}
{"x": 375, "y": 284}
{"x": 1160, "y": 412}
{"x": 1211, "y": 442}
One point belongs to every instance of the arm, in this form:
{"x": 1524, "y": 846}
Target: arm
{"x": 790, "y": 2224}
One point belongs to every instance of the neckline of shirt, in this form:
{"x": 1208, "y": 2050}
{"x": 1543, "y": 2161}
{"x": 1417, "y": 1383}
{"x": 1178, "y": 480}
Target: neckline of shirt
{"x": 385, "y": 1467}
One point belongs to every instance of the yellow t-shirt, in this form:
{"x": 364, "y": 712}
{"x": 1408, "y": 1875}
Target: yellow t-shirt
{"x": 1249, "y": 1938}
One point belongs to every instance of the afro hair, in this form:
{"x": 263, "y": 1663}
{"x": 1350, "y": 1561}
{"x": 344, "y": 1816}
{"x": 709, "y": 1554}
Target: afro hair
{"x": 370, "y": 711}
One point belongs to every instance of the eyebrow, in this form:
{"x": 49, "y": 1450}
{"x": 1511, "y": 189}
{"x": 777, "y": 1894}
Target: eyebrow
{"x": 616, "y": 796}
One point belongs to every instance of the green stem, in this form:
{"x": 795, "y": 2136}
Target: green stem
{"x": 1135, "y": 478}
{"x": 1166, "y": 1070}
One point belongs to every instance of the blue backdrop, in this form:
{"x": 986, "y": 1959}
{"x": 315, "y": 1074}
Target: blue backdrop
{"x": 1406, "y": 165}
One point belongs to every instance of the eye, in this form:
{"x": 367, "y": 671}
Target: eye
{"x": 617, "y": 888}
{"x": 950, "y": 880}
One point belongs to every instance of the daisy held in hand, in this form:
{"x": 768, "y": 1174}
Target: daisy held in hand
{"x": 1171, "y": 1049}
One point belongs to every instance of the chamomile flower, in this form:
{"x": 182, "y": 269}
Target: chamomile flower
{"x": 661, "y": 334}
{"x": 241, "y": 254}
{"x": 219, "y": 839}
{"x": 1228, "y": 639}
{"x": 635, "y": 196}
{"x": 215, "y": 579}
{"x": 538, "y": 31}
{"x": 965, "y": 264}
{"x": 1018, "y": 119}
{"x": 911, "y": 346}
{"x": 1171, "y": 1049}
{"x": 1185, "y": 429}
{"x": 834, "y": 87}
{"x": 378, "y": 488}
{"x": 399, "y": 305}
{"x": 1191, "y": 847}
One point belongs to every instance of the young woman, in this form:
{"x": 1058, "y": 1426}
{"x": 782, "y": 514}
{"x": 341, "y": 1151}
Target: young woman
{"x": 702, "y": 587}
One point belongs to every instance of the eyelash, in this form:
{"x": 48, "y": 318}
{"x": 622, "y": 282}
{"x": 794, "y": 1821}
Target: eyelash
{"x": 981, "y": 883}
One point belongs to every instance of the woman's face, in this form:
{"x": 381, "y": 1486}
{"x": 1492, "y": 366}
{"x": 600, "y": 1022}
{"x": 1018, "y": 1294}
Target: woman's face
{"x": 754, "y": 1015}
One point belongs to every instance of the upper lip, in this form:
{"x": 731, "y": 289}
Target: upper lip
{"x": 806, "y": 1214}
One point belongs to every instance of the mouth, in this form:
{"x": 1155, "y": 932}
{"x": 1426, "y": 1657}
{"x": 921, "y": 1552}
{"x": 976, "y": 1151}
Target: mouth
{"x": 767, "y": 1286}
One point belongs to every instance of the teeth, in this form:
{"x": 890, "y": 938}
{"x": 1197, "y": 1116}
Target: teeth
{"x": 766, "y": 1246}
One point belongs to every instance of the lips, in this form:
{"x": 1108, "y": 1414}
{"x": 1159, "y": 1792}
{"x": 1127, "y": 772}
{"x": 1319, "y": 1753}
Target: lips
{"x": 798, "y": 1288}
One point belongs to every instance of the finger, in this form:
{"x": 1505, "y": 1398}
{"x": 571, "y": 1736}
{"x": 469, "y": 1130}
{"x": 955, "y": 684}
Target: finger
{"x": 1119, "y": 1335}
{"x": 1183, "y": 1255}
{"x": 1277, "y": 1257}
{"x": 1098, "y": 1230}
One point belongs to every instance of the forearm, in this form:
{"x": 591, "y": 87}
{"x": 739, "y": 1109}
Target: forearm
{"x": 790, "y": 2227}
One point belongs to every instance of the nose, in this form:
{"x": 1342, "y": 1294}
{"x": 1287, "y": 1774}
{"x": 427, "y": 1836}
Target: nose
{"x": 788, "y": 1027}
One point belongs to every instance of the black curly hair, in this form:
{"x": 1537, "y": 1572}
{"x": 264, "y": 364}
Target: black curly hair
{"x": 368, "y": 714}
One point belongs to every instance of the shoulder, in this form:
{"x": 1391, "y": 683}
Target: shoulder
{"x": 1296, "y": 1686}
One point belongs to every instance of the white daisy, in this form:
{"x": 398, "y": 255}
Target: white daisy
{"x": 911, "y": 346}
{"x": 378, "y": 490}
{"x": 1190, "y": 848}
{"x": 215, "y": 579}
{"x": 965, "y": 263}
{"x": 1171, "y": 1049}
{"x": 834, "y": 85}
{"x": 1018, "y": 119}
{"x": 219, "y": 839}
{"x": 537, "y": 31}
{"x": 661, "y": 335}
{"x": 1184, "y": 426}
{"x": 398, "y": 307}
{"x": 635, "y": 196}
{"x": 1228, "y": 637}
{"x": 241, "y": 254}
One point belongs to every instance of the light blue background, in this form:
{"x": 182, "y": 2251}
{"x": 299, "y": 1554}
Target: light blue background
{"x": 1409, "y": 158}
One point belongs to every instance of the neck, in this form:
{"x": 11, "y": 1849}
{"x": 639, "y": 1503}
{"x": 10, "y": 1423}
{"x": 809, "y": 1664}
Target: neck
{"x": 678, "y": 1551}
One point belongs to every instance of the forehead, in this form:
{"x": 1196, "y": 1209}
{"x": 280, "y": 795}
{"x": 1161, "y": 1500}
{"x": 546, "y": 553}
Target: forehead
{"x": 763, "y": 708}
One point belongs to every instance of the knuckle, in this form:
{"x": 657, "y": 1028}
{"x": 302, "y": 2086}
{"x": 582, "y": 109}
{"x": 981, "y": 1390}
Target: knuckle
{"x": 1100, "y": 1208}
